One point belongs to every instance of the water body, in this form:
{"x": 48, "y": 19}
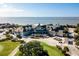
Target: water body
{"x": 42, "y": 20}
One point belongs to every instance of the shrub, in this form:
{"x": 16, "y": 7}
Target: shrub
{"x": 2, "y": 40}
{"x": 63, "y": 51}
{"x": 76, "y": 31}
{"x": 66, "y": 49}
{"x": 21, "y": 41}
{"x": 32, "y": 49}
{"x": 19, "y": 36}
{"x": 9, "y": 37}
{"x": 77, "y": 43}
{"x": 14, "y": 40}
{"x": 58, "y": 47}
{"x": 66, "y": 54}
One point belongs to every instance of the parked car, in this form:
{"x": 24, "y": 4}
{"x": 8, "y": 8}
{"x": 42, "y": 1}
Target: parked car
{"x": 60, "y": 42}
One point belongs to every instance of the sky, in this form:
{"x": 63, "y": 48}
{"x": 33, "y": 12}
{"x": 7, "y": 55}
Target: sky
{"x": 39, "y": 10}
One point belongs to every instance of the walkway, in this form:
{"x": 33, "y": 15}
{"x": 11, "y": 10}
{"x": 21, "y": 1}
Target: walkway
{"x": 14, "y": 51}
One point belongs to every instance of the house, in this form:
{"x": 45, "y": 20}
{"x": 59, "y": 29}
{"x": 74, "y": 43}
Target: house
{"x": 49, "y": 28}
{"x": 60, "y": 33}
{"x": 27, "y": 30}
{"x": 52, "y": 33}
{"x": 70, "y": 34}
{"x": 70, "y": 38}
{"x": 39, "y": 30}
{"x": 54, "y": 30}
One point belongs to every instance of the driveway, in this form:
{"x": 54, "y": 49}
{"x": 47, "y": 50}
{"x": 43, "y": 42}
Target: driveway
{"x": 73, "y": 50}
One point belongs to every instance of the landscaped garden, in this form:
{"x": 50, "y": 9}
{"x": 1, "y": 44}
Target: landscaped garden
{"x": 6, "y": 47}
{"x": 50, "y": 50}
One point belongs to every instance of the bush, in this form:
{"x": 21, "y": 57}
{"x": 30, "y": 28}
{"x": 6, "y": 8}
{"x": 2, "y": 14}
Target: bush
{"x": 66, "y": 54}
{"x": 66, "y": 49}
{"x": 65, "y": 35}
{"x": 58, "y": 47}
{"x": 76, "y": 31}
{"x": 21, "y": 41}
{"x": 32, "y": 49}
{"x": 19, "y": 36}
{"x": 14, "y": 40}
{"x": 76, "y": 37}
{"x": 2, "y": 40}
{"x": 77, "y": 43}
{"x": 9, "y": 37}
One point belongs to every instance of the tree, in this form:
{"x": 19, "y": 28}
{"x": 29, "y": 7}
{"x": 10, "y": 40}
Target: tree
{"x": 32, "y": 49}
{"x": 8, "y": 36}
{"x": 77, "y": 43}
{"x": 10, "y": 31}
{"x": 77, "y": 36}
{"x": 24, "y": 28}
{"x": 65, "y": 31}
{"x": 77, "y": 25}
{"x": 66, "y": 49}
{"x": 19, "y": 36}
{"x": 77, "y": 29}
{"x": 56, "y": 30}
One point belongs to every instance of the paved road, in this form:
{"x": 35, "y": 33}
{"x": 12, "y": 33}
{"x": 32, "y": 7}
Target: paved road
{"x": 73, "y": 50}
{"x": 49, "y": 41}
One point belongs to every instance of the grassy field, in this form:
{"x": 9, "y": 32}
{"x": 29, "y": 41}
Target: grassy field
{"x": 6, "y": 47}
{"x": 52, "y": 50}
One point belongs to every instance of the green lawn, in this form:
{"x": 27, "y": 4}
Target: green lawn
{"x": 52, "y": 50}
{"x": 7, "y": 47}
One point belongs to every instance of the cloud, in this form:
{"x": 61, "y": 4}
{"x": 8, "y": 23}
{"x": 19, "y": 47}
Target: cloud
{"x": 4, "y": 5}
{"x": 7, "y": 10}
{"x": 10, "y": 11}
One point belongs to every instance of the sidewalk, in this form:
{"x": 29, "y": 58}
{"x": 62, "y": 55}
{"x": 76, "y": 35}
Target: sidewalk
{"x": 14, "y": 51}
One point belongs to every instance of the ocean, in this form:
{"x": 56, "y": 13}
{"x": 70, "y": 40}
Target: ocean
{"x": 41, "y": 20}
